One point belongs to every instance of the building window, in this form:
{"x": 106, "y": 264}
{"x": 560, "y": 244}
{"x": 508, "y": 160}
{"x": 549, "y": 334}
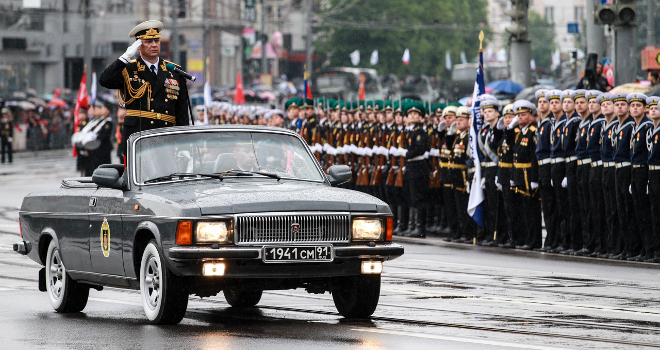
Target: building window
{"x": 550, "y": 14}
{"x": 579, "y": 13}
{"x": 14, "y": 44}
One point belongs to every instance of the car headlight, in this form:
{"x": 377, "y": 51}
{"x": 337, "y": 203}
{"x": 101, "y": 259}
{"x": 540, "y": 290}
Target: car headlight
{"x": 212, "y": 232}
{"x": 367, "y": 229}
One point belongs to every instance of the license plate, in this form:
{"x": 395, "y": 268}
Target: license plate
{"x": 297, "y": 253}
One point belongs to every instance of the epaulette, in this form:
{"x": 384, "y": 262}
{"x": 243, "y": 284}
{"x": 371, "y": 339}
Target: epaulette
{"x": 532, "y": 128}
{"x": 166, "y": 62}
{"x": 516, "y": 130}
{"x": 133, "y": 60}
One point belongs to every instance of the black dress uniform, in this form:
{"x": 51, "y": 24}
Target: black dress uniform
{"x": 514, "y": 233}
{"x": 546, "y": 192}
{"x": 613, "y": 244}
{"x": 6, "y": 136}
{"x": 446, "y": 142}
{"x": 569, "y": 140}
{"x": 558, "y": 172}
{"x": 598, "y": 234}
{"x": 639, "y": 182}
{"x": 653, "y": 144}
{"x": 488, "y": 141}
{"x": 417, "y": 173}
{"x": 458, "y": 172}
{"x": 583, "y": 171}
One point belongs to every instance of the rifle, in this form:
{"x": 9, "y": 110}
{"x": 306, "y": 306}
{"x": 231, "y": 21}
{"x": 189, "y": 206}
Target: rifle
{"x": 391, "y": 174}
{"x": 329, "y": 158}
{"x": 402, "y": 162}
{"x": 341, "y": 158}
{"x": 365, "y": 161}
{"x": 353, "y": 160}
{"x": 377, "y": 175}
{"x": 434, "y": 179}
{"x": 316, "y": 139}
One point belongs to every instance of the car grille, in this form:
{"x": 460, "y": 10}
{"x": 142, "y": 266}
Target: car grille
{"x": 281, "y": 228}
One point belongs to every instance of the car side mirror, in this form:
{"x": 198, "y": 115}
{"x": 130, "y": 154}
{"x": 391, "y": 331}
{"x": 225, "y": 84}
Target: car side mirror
{"x": 108, "y": 177}
{"x": 339, "y": 174}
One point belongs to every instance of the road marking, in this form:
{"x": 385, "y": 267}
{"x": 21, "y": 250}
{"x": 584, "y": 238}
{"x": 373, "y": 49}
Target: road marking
{"x": 460, "y": 340}
{"x": 497, "y": 268}
{"x": 3, "y": 289}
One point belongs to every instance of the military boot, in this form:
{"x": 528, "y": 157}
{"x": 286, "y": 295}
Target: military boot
{"x": 412, "y": 220}
{"x": 420, "y": 227}
{"x": 402, "y": 220}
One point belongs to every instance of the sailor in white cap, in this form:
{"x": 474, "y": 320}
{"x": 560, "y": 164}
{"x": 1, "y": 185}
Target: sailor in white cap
{"x": 154, "y": 97}
{"x": 653, "y": 143}
{"x": 543, "y": 156}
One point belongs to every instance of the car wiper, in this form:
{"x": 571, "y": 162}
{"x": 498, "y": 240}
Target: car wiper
{"x": 181, "y": 176}
{"x": 251, "y": 173}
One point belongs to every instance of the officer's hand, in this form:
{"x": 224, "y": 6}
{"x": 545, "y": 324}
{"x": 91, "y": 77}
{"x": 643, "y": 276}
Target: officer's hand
{"x": 500, "y": 124}
{"x": 131, "y": 51}
{"x": 647, "y": 188}
{"x": 483, "y": 183}
{"x": 513, "y": 124}
{"x": 551, "y": 183}
{"x": 11, "y": 139}
{"x": 467, "y": 187}
{"x": 564, "y": 183}
{"x": 534, "y": 185}
{"x": 452, "y": 129}
{"x": 511, "y": 183}
{"x": 442, "y": 126}
{"x": 630, "y": 189}
{"x": 499, "y": 185}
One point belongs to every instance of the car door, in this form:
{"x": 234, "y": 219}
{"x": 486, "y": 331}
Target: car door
{"x": 105, "y": 232}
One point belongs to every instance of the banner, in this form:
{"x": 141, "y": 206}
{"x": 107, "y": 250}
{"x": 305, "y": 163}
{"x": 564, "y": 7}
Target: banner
{"x": 475, "y": 203}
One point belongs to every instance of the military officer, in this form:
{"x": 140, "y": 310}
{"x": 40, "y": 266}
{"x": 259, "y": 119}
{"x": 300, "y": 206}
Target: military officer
{"x": 488, "y": 140}
{"x": 569, "y": 182}
{"x": 514, "y": 232}
{"x": 7, "y": 135}
{"x": 558, "y": 169}
{"x": 544, "y": 157}
{"x": 417, "y": 170}
{"x": 652, "y": 138}
{"x": 154, "y": 97}
{"x": 446, "y": 143}
{"x": 458, "y": 139}
{"x": 639, "y": 156}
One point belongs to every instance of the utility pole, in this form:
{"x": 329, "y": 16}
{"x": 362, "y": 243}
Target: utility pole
{"x": 205, "y": 39}
{"x": 308, "y": 43}
{"x": 174, "y": 39}
{"x": 521, "y": 48}
{"x": 650, "y": 26}
{"x": 87, "y": 43}
{"x": 595, "y": 33}
{"x": 264, "y": 61}
{"x": 622, "y": 15}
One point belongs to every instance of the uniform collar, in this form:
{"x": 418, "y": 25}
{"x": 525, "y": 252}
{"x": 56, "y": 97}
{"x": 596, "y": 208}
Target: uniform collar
{"x": 152, "y": 64}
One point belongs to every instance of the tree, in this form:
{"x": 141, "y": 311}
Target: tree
{"x": 428, "y": 28}
{"x": 542, "y": 35}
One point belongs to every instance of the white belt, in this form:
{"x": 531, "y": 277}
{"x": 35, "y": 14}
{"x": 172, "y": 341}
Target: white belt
{"x": 595, "y": 164}
{"x": 622, "y": 165}
{"x": 654, "y": 167}
{"x": 557, "y": 160}
{"x": 471, "y": 170}
{"x": 545, "y": 161}
{"x": 608, "y": 164}
{"x": 488, "y": 164}
{"x": 415, "y": 159}
{"x": 571, "y": 159}
{"x": 584, "y": 161}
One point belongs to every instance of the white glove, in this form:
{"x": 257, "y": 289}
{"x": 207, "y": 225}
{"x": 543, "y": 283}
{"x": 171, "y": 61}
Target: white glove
{"x": 564, "y": 183}
{"x": 131, "y": 51}
{"x": 467, "y": 187}
{"x": 551, "y": 183}
{"x": 452, "y": 129}
{"x": 534, "y": 185}
{"x": 511, "y": 183}
{"x": 442, "y": 126}
{"x": 630, "y": 189}
{"x": 500, "y": 124}
{"x": 513, "y": 124}
{"x": 483, "y": 183}
{"x": 499, "y": 185}
{"x": 11, "y": 139}
{"x": 647, "y": 188}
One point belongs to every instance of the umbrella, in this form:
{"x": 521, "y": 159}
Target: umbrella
{"x": 57, "y": 103}
{"x": 505, "y": 86}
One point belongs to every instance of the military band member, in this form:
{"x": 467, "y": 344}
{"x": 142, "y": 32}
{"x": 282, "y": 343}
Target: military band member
{"x": 613, "y": 244}
{"x": 580, "y": 98}
{"x": 639, "y": 156}
{"x": 154, "y": 97}
{"x": 544, "y": 157}
{"x": 654, "y": 177}
{"x": 598, "y": 235}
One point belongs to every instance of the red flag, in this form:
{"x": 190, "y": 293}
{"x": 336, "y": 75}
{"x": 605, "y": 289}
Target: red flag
{"x": 239, "y": 97}
{"x": 81, "y": 101}
{"x": 308, "y": 92}
{"x": 361, "y": 96}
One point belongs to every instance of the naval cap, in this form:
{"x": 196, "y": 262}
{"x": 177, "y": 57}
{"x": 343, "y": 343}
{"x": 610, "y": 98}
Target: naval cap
{"x": 449, "y": 110}
{"x": 604, "y": 97}
{"x": 553, "y": 95}
{"x": 463, "y": 112}
{"x": 147, "y": 30}
{"x": 491, "y": 103}
{"x": 636, "y": 97}
{"x": 486, "y": 97}
{"x": 652, "y": 100}
{"x": 521, "y": 106}
{"x": 580, "y": 93}
{"x": 592, "y": 94}
{"x": 540, "y": 93}
{"x": 619, "y": 96}
{"x": 566, "y": 94}
{"x": 508, "y": 109}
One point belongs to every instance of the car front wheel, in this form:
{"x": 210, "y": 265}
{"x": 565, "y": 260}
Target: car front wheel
{"x": 164, "y": 295}
{"x": 357, "y": 296}
{"x": 65, "y": 294}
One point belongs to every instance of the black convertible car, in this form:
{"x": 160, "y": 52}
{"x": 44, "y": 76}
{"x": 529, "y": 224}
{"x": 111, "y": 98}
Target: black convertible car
{"x": 204, "y": 209}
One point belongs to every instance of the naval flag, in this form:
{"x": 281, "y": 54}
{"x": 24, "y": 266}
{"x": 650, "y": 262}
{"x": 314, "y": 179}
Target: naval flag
{"x": 476, "y": 202}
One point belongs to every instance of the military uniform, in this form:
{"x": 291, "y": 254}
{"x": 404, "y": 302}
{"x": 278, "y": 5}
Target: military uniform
{"x": 582, "y": 176}
{"x": 598, "y": 235}
{"x": 653, "y": 144}
{"x": 569, "y": 140}
{"x": 448, "y": 196}
{"x": 153, "y": 98}
{"x": 558, "y": 172}
{"x": 458, "y": 174}
{"x": 608, "y": 135}
{"x": 546, "y": 192}
{"x": 101, "y": 155}
{"x": 6, "y": 138}
{"x": 488, "y": 141}
{"x": 416, "y": 176}
{"x": 513, "y": 234}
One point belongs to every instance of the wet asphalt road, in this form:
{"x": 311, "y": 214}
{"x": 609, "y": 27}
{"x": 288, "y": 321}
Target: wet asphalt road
{"x": 438, "y": 295}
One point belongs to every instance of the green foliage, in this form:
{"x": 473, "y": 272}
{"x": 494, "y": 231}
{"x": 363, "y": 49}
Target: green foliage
{"x": 428, "y": 28}
{"x": 542, "y": 35}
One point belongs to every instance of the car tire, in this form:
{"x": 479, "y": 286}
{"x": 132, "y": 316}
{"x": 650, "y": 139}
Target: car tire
{"x": 164, "y": 295}
{"x": 65, "y": 294}
{"x": 357, "y": 296}
{"x": 242, "y": 298}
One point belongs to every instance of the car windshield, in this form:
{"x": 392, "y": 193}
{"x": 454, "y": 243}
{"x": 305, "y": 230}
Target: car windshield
{"x": 222, "y": 152}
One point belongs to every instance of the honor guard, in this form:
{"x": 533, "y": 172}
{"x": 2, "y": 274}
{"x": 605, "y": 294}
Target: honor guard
{"x": 544, "y": 157}
{"x": 608, "y": 134}
{"x": 652, "y": 138}
{"x": 569, "y": 182}
{"x": 449, "y": 116}
{"x": 154, "y": 97}
{"x": 513, "y": 234}
{"x": 639, "y": 155}
{"x": 581, "y": 101}
{"x": 598, "y": 233}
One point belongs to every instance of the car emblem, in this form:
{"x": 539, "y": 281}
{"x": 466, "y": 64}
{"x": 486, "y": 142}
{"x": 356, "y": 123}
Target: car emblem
{"x": 295, "y": 228}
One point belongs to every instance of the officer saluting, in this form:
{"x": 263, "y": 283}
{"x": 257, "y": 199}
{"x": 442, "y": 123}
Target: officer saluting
{"x": 154, "y": 97}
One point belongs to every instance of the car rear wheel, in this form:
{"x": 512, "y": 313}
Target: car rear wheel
{"x": 65, "y": 294}
{"x": 164, "y": 295}
{"x": 242, "y": 298}
{"x": 357, "y": 296}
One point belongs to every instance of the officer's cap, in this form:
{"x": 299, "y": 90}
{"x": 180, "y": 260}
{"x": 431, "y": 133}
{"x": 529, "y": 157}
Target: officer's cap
{"x": 463, "y": 112}
{"x": 292, "y": 103}
{"x": 388, "y": 105}
{"x": 553, "y": 95}
{"x": 486, "y": 97}
{"x": 5, "y": 110}
{"x": 636, "y": 97}
{"x": 652, "y": 101}
{"x": 580, "y": 93}
{"x": 592, "y": 94}
{"x": 308, "y": 103}
{"x": 521, "y": 106}
{"x": 200, "y": 107}
{"x": 147, "y": 30}
{"x": 415, "y": 106}
{"x": 540, "y": 93}
{"x": 508, "y": 109}
{"x": 566, "y": 94}
{"x": 449, "y": 110}
{"x": 604, "y": 97}
{"x": 619, "y": 96}
{"x": 491, "y": 103}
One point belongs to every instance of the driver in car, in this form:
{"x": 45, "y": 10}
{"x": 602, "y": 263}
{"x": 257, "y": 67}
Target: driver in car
{"x": 245, "y": 156}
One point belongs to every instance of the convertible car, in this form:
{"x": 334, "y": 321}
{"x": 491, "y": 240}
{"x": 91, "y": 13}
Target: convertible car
{"x": 204, "y": 209}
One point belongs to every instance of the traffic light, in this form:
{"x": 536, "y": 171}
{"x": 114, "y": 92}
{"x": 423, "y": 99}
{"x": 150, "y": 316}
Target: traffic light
{"x": 605, "y": 14}
{"x": 626, "y": 11}
{"x": 518, "y": 14}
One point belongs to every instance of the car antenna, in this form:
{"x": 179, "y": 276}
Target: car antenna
{"x": 139, "y": 170}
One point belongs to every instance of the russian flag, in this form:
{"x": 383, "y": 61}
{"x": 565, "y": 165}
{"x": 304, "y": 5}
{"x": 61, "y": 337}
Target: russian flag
{"x": 476, "y": 203}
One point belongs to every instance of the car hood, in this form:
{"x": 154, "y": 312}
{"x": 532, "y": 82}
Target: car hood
{"x": 234, "y": 196}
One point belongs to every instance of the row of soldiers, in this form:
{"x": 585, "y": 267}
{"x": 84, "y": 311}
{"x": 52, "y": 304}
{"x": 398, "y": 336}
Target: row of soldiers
{"x": 583, "y": 162}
